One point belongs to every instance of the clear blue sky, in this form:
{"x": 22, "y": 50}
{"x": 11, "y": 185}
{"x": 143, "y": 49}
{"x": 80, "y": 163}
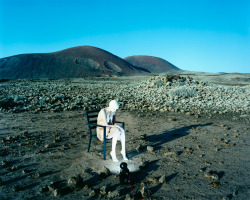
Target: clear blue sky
{"x": 195, "y": 35}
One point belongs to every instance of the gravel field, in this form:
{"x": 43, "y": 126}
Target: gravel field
{"x": 187, "y": 138}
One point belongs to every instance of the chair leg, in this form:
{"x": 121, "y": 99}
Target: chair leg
{"x": 90, "y": 137}
{"x": 104, "y": 143}
{"x": 104, "y": 150}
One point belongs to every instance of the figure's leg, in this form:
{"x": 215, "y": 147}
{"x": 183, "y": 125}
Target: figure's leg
{"x": 123, "y": 141}
{"x": 113, "y": 152}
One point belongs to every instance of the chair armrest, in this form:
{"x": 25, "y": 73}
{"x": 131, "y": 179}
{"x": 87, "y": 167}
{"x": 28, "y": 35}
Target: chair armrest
{"x": 89, "y": 124}
{"x": 123, "y": 123}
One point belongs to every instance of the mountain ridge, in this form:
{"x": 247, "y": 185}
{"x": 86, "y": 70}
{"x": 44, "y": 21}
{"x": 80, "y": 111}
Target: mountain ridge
{"x": 152, "y": 64}
{"x": 74, "y": 62}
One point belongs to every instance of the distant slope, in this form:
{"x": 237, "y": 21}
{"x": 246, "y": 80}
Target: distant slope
{"x": 152, "y": 64}
{"x": 74, "y": 62}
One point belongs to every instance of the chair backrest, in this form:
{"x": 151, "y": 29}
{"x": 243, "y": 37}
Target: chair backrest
{"x": 91, "y": 117}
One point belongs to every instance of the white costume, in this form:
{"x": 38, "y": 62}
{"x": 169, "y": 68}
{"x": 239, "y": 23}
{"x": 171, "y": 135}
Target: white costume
{"x": 106, "y": 117}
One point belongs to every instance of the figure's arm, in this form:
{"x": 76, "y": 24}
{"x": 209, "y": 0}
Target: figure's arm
{"x": 105, "y": 123}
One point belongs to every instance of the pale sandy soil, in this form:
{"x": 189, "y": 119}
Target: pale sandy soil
{"x": 185, "y": 148}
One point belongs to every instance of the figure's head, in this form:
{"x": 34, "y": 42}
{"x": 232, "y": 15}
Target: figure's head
{"x": 123, "y": 165}
{"x": 113, "y": 105}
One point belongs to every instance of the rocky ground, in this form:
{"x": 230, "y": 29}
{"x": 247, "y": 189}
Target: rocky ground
{"x": 178, "y": 93}
{"x": 183, "y": 144}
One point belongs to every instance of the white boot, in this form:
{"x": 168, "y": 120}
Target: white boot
{"x": 123, "y": 154}
{"x": 113, "y": 156}
{"x": 113, "y": 152}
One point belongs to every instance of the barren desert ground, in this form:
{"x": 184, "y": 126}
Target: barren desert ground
{"x": 187, "y": 137}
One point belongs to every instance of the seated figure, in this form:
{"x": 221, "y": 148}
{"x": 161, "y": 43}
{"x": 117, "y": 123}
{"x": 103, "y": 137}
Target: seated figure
{"x": 106, "y": 117}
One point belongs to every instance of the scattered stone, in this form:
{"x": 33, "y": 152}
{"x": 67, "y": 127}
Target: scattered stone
{"x": 152, "y": 180}
{"x": 171, "y": 119}
{"x": 75, "y": 181}
{"x": 44, "y": 189}
{"x": 150, "y": 149}
{"x": 170, "y": 153}
{"x": 188, "y": 113}
{"x": 15, "y": 167}
{"x": 113, "y": 194}
{"x": 202, "y": 169}
{"x": 145, "y": 192}
{"x": 36, "y": 175}
{"x": 39, "y": 151}
{"x": 211, "y": 175}
{"x": 25, "y": 133}
{"x": 86, "y": 187}
{"x": 56, "y": 193}
{"x": 92, "y": 193}
{"x": 163, "y": 179}
{"x": 62, "y": 148}
{"x": 104, "y": 172}
{"x": 144, "y": 165}
{"x": 53, "y": 186}
{"x": 138, "y": 148}
{"x": 127, "y": 197}
{"x": 47, "y": 146}
{"x": 197, "y": 116}
{"x": 16, "y": 188}
{"x": 235, "y": 193}
{"x": 143, "y": 136}
{"x": 103, "y": 190}
{"x": 5, "y": 163}
{"x": 215, "y": 184}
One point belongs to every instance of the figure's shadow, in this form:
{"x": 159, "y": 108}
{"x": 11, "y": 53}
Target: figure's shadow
{"x": 158, "y": 140}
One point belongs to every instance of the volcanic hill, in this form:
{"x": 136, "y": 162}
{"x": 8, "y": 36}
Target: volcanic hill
{"x": 76, "y": 62}
{"x": 153, "y": 64}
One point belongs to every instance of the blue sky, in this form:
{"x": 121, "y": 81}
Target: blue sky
{"x": 194, "y": 35}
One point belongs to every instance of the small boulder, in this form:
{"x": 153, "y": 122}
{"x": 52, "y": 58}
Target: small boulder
{"x": 16, "y": 188}
{"x": 211, "y": 175}
{"x": 92, "y": 193}
{"x": 138, "y": 148}
{"x": 75, "y": 181}
{"x": 36, "y": 175}
{"x": 104, "y": 172}
{"x": 144, "y": 165}
{"x": 113, "y": 194}
{"x": 103, "y": 190}
{"x": 56, "y": 193}
{"x": 150, "y": 149}
{"x": 46, "y": 146}
{"x": 145, "y": 192}
{"x": 163, "y": 179}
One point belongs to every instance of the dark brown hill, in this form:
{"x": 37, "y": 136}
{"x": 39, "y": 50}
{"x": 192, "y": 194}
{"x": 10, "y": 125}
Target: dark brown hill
{"x": 152, "y": 64}
{"x": 74, "y": 62}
